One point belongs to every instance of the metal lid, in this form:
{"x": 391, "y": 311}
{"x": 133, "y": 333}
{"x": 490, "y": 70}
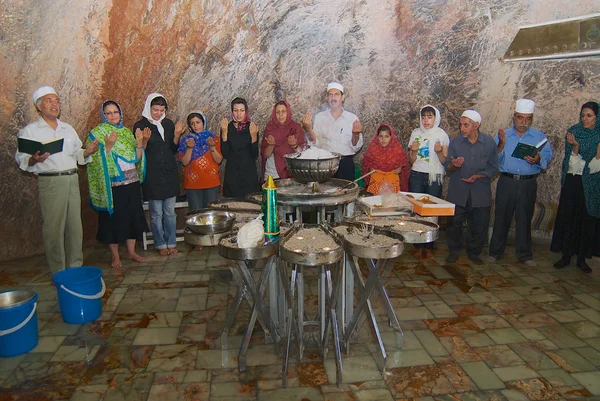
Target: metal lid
{"x": 10, "y": 299}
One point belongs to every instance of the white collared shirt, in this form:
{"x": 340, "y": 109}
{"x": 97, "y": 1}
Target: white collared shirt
{"x": 71, "y": 155}
{"x": 336, "y": 135}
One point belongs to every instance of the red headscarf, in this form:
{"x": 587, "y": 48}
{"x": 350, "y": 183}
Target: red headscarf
{"x": 281, "y": 132}
{"x": 387, "y": 158}
{"x": 240, "y": 124}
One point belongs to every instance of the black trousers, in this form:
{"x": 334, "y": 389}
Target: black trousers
{"x": 478, "y": 221}
{"x": 514, "y": 197}
{"x": 346, "y": 169}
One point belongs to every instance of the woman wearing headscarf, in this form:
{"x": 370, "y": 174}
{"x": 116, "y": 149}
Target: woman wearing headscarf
{"x": 161, "y": 186}
{"x": 282, "y": 136}
{"x": 386, "y": 156}
{"x": 200, "y": 153}
{"x": 114, "y": 177}
{"x": 577, "y": 227}
{"x": 239, "y": 145}
{"x": 428, "y": 146}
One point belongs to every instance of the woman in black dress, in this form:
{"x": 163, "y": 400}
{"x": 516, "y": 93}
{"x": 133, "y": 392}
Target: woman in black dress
{"x": 162, "y": 176}
{"x": 239, "y": 145}
{"x": 577, "y": 228}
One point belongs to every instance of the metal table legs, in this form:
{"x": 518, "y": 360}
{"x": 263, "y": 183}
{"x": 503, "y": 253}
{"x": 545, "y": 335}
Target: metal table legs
{"x": 326, "y": 318}
{"x": 378, "y": 271}
{"x": 254, "y": 293}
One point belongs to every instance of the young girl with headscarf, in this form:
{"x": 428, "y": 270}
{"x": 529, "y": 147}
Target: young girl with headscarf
{"x": 161, "y": 186}
{"x": 386, "y": 156}
{"x": 282, "y": 136}
{"x": 114, "y": 177}
{"x": 200, "y": 153}
{"x": 428, "y": 146}
{"x": 577, "y": 227}
{"x": 239, "y": 144}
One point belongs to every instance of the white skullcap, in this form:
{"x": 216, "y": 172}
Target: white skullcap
{"x": 525, "y": 106}
{"x": 43, "y": 91}
{"x": 473, "y": 115}
{"x": 335, "y": 85}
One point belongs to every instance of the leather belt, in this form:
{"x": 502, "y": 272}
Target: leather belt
{"x": 58, "y": 173}
{"x": 520, "y": 176}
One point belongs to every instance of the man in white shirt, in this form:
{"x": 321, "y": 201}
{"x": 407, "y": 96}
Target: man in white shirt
{"x": 336, "y": 130}
{"x": 58, "y": 182}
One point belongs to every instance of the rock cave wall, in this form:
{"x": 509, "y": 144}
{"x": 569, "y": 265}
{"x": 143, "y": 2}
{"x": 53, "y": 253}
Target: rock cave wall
{"x": 391, "y": 56}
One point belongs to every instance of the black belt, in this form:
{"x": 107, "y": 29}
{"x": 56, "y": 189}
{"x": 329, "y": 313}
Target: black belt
{"x": 348, "y": 157}
{"x": 57, "y": 173}
{"x": 520, "y": 176}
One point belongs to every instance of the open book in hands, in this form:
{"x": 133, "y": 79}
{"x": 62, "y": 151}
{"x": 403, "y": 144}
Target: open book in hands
{"x": 30, "y": 146}
{"x": 524, "y": 149}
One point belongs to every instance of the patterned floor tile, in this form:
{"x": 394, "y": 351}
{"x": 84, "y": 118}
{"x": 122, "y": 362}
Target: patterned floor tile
{"x": 471, "y": 333}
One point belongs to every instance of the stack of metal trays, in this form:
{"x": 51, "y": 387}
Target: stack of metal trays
{"x": 311, "y": 245}
{"x": 371, "y": 242}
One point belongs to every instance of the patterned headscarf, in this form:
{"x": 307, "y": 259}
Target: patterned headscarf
{"x": 588, "y": 140}
{"x": 200, "y": 145}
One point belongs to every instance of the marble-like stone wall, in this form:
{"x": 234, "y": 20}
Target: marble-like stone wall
{"x": 392, "y": 57}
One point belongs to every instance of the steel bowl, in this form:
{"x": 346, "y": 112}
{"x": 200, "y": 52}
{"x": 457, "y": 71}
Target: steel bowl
{"x": 210, "y": 221}
{"x": 312, "y": 170}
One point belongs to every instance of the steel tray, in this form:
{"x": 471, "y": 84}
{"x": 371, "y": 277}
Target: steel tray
{"x": 311, "y": 258}
{"x": 363, "y": 251}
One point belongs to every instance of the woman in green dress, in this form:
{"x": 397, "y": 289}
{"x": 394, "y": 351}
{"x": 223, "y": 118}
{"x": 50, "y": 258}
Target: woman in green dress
{"x": 114, "y": 176}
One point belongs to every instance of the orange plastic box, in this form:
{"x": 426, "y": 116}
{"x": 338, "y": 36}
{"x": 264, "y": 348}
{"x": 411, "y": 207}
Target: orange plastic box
{"x": 439, "y": 208}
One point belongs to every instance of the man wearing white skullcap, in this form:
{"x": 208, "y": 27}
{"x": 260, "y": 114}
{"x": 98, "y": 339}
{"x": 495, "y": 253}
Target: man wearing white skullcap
{"x": 58, "y": 182}
{"x": 517, "y": 186}
{"x": 472, "y": 162}
{"x": 336, "y": 130}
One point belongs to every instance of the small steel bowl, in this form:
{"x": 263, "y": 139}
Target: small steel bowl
{"x": 312, "y": 170}
{"x": 210, "y": 221}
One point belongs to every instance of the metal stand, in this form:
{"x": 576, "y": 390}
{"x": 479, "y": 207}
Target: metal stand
{"x": 378, "y": 271}
{"x": 325, "y": 318}
{"x": 241, "y": 262}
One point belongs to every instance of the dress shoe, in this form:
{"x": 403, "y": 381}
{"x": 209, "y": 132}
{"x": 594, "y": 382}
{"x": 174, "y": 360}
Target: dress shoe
{"x": 476, "y": 259}
{"x": 581, "y": 265}
{"x": 453, "y": 257}
{"x": 530, "y": 263}
{"x": 563, "y": 262}
{"x": 492, "y": 259}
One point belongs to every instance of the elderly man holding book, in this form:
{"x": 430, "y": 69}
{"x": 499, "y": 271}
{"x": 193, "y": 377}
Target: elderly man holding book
{"x": 523, "y": 152}
{"x": 58, "y": 182}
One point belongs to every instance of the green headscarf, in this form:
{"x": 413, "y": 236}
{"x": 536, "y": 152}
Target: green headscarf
{"x": 588, "y": 139}
{"x": 104, "y": 169}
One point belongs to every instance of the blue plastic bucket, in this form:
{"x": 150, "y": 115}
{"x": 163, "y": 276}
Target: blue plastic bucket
{"x": 80, "y": 291}
{"x": 18, "y": 322}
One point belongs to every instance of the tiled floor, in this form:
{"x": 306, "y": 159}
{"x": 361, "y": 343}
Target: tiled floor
{"x": 494, "y": 332}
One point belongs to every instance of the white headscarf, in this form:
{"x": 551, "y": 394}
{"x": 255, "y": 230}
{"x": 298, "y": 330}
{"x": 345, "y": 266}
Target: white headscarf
{"x": 435, "y": 134}
{"x": 147, "y": 113}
